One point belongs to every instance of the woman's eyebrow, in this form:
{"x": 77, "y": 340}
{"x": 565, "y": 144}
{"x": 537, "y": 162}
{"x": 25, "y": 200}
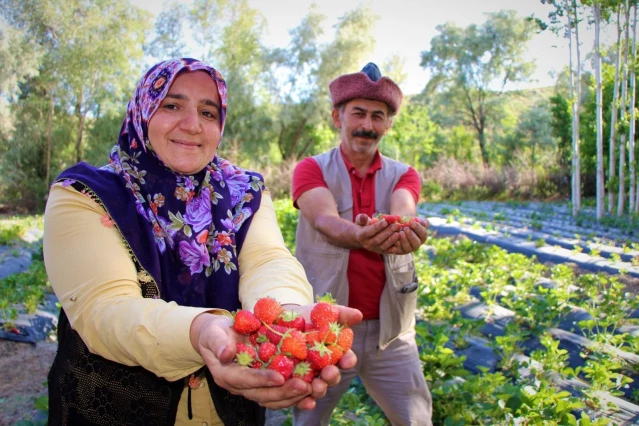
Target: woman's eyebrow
{"x": 182, "y": 97}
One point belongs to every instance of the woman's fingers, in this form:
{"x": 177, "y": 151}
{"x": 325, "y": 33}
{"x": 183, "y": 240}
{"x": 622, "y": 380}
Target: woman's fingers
{"x": 287, "y": 395}
{"x": 349, "y": 316}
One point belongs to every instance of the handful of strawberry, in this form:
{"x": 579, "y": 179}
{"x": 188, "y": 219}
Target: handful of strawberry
{"x": 403, "y": 221}
{"x": 284, "y": 341}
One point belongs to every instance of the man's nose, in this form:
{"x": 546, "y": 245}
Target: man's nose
{"x": 367, "y": 124}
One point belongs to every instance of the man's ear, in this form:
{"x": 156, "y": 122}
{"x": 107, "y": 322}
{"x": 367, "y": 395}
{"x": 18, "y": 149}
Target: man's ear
{"x": 390, "y": 124}
{"x": 336, "y": 119}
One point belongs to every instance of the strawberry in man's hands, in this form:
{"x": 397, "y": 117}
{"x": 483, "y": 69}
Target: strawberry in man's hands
{"x": 403, "y": 221}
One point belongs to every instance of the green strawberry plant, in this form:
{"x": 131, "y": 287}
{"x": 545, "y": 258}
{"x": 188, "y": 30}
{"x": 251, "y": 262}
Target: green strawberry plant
{"x": 453, "y": 272}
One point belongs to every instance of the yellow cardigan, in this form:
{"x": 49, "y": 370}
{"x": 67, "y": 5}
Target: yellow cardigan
{"x": 95, "y": 280}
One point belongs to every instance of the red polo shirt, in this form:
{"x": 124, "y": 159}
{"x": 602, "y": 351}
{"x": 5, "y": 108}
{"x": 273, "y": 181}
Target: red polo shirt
{"x": 365, "y": 273}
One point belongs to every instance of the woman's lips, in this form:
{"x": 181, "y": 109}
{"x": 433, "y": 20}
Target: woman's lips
{"x": 186, "y": 144}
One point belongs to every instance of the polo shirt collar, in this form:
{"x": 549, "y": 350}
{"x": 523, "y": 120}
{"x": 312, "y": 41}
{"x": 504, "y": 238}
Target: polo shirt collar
{"x": 375, "y": 165}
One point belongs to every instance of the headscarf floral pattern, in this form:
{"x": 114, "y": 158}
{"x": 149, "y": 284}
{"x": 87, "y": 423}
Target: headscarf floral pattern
{"x": 195, "y": 218}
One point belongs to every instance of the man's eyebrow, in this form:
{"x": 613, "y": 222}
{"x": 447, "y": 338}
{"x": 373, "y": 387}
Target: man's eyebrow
{"x": 377, "y": 111}
{"x": 182, "y": 97}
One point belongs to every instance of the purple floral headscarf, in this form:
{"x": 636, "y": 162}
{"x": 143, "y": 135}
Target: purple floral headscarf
{"x": 196, "y": 220}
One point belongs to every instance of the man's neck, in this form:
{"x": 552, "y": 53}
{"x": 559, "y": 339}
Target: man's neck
{"x": 361, "y": 161}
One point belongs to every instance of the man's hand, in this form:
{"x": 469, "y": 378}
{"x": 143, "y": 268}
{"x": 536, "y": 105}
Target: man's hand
{"x": 377, "y": 237}
{"x": 397, "y": 240}
{"x": 412, "y": 237}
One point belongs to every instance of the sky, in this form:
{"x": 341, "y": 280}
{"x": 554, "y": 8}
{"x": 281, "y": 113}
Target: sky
{"x": 406, "y": 27}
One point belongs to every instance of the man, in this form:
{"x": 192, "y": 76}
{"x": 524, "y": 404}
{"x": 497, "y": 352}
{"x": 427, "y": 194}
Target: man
{"x": 365, "y": 265}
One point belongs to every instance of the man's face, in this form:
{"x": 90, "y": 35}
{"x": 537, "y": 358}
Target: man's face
{"x": 362, "y": 123}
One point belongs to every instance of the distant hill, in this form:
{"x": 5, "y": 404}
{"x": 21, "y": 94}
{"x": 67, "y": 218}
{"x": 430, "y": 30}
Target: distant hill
{"x": 518, "y": 101}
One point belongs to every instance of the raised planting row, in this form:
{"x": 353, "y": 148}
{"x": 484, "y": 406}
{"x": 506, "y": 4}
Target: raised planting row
{"x": 506, "y": 339}
{"x": 598, "y": 254}
{"x": 563, "y": 225}
{"x": 560, "y": 212}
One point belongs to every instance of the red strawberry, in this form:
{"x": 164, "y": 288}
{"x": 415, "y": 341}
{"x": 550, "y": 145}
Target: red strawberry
{"x": 312, "y": 336}
{"x": 283, "y": 365}
{"x": 304, "y": 371}
{"x": 292, "y": 319}
{"x": 319, "y": 356}
{"x": 275, "y": 333}
{"x": 245, "y": 354}
{"x": 336, "y": 353}
{"x": 256, "y": 365}
{"x": 266, "y": 351}
{"x": 267, "y": 310}
{"x": 294, "y": 344}
{"x": 345, "y": 338}
{"x": 328, "y": 333}
{"x": 259, "y": 336}
{"x": 324, "y": 311}
{"x": 245, "y": 322}
{"x": 391, "y": 218}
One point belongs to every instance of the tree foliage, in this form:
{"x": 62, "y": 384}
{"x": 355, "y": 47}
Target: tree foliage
{"x": 475, "y": 64}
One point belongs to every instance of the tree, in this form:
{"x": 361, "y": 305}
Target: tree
{"x": 562, "y": 128}
{"x": 91, "y": 49}
{"x": 634, "y": 196}
{"x": 596, "y": 7}
{"x": 206, "y": 26}
{"x": 476, "y": 63}
{"x": 412, "y": 137}
{"x": 240, "y": 56}
{"x": 294, "y": 87}
{"x": 536, "y": 127}
{"x": 20, "y": 58}
{"x": 613, "y": 115}
{"x": 622, "y": 116}
{"x": 169, "y": 36}
{"x": 569, "y": 9}
{"x": 305, "y": 68}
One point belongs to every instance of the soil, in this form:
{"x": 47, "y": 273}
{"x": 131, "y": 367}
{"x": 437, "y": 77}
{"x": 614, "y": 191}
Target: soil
{"x": 23, "y": 368}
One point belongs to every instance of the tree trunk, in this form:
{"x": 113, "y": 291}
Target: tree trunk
{"x": 622, "y": 115}
{"x": 613, "y": 116}
{"x": 47, "y": 179}
{"x": 575, "y": 95}
{"x": 600, "y": 170}
{"x": 482, "y": 146}
{"x": 78, "y": 140}
{"x": 633, "y": 99}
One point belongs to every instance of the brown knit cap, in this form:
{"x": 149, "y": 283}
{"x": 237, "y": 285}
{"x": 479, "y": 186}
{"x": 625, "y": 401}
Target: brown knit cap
{"x": 366, "y": 84}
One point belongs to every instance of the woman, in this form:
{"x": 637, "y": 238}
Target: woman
{"x": 148, "y": 255}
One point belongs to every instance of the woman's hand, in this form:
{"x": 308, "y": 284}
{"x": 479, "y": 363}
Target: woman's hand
{"x": 213, "y": 338}
{"x": 330, "y": 375}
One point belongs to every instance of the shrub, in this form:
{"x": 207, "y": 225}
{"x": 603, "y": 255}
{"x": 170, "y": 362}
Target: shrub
{"x": 287, "y": 219}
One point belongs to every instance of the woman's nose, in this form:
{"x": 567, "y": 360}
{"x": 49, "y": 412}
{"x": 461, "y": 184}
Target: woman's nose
{"x": 190, "y": 122}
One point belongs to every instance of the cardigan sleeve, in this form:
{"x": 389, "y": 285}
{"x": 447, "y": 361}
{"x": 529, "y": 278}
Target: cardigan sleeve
{"x": 94, "y": 277}
{"x": 267, "y": 267}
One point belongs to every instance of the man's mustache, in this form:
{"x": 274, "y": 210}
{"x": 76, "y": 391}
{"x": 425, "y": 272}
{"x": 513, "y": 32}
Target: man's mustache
{"x": 368, "y": 134}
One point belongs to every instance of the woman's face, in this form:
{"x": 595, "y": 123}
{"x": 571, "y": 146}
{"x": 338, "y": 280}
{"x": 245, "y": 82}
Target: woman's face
{"x": 186, "y": 130}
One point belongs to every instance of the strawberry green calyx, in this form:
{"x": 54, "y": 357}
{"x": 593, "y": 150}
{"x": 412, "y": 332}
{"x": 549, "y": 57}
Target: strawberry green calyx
{"x": 304, "y": 371}
{"x": 245, "y": 355}
{"x": 327, "y": 298}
